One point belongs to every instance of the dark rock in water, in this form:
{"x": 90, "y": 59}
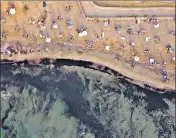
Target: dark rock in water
{"x": 5, "y": 127}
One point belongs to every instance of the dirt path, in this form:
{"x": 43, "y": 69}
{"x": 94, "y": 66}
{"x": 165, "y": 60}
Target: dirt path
{"x": 94, "y": 10}
{"x": 142, "y": 3}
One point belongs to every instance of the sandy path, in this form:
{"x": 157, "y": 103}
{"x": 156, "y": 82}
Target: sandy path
{"x": 94, "y": 10}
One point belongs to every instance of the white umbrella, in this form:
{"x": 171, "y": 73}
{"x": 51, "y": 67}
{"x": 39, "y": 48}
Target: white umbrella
{"x": 156, "y": 25}
{"x": 12, "y": 11}
{"x": 84, "y": 33}
{"x": 48, "y": 39}
{"x": 8, "y": 52}
{"x": 136, "y": 58}
{"x": 81, "y": 35}
{"x": 107, "y": 47}
{"x": 147, "y": 39}
{"x": 152, "y": 61}
{"x": 55, "y": 25}
{"x": 122, "y": 37}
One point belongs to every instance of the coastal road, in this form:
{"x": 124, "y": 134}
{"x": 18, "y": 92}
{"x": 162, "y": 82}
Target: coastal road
{"x": 93, "y": 10}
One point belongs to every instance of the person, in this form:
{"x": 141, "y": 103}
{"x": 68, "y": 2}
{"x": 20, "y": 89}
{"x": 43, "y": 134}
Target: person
{"x": 69, "y": 7}
{"x": 26, "y": 8}
{"x": 60, "y": 18}
{"x": 61, "y": 35}
{"x": 25, "y": 34}
{"x": 4, "y": 34}
{"x": 17, "y": 28}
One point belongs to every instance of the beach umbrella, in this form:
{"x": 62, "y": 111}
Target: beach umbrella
{"x": 156, "y": 25}
{"x": 12, "y": 11}
{"x": 81, "y": 35}
{"x": 136, "y": 58}
{"x": 152, "y": 61}
{"x": 168, "y": 47}
{"x": 107, "y": 47}
{"x": 55, "y": 25}
{"x": 132, "y": 43}
{"x": 147, "y": 39}
{"x": 8, "y": 52}
{"x": 47, "y": 39}
{"x": 84, "y": 33}
{"x": 44, "y": 3}
{"x": 123, "y": 37}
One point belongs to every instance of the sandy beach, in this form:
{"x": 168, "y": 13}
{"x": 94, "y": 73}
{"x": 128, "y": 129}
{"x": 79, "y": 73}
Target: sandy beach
{"x": 117, "y": 59}
{"x": 112, "y": 60}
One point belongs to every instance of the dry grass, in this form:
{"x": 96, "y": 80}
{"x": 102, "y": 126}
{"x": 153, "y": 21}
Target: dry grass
{"x": 135, "y": 3}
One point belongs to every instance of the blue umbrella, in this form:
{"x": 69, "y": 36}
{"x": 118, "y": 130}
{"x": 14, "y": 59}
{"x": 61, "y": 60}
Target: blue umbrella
{"x": 44, "y": 3}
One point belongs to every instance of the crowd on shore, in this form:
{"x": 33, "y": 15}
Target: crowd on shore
{"x": 18, "y": 48}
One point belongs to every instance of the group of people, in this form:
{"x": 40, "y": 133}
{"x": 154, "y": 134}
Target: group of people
{"x": 89, "y": 43}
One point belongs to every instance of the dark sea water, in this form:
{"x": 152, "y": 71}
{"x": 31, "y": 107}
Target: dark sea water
{"x": 74, "y": 100}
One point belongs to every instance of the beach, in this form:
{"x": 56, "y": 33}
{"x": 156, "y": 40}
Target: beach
{"x": 111, "y": 60}
{"x": 80, "y": 69}
{"x": 117, "y": 59}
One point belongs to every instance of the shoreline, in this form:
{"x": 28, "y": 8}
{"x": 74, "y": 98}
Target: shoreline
{"x": 62, "y": 50}
{"x": 93, "y": 66}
